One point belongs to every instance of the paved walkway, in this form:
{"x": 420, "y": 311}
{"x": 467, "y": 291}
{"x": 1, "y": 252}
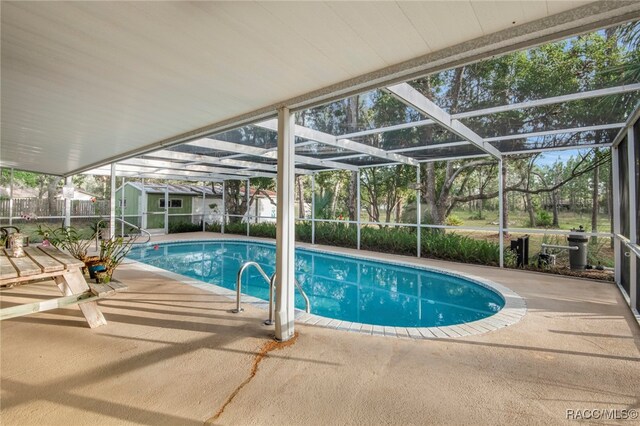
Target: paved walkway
{"x": 173, "y": 354}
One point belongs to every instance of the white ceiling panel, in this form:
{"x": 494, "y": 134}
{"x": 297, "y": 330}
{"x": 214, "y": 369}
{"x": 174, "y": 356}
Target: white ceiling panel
{"x": 85, "y": 82}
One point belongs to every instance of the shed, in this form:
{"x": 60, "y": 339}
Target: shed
{"x": 144, "y": 205}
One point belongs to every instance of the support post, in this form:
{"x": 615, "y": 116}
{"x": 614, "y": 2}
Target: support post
{"x": 112, "y": 203}
{"x": 142, "y": 209}
{"x": 358, "y": 219}
{"x": 224, "y": 205}
{"x": 633, "y": 208}
{"x": 615, "y": 175}
{"x": 122, "y": 208}
{"x": 313, "y": 208}
{"x": 285, "y": 235}
{"x": 204, "y": 207}
{"x": 247, "y": 195}
{"x": 166, "y": 209}
{"x": 11, "y": 198}
{"x": 67, "y": 205}
{"x": 500, "y": 212}
{"x": 418, "y": 213}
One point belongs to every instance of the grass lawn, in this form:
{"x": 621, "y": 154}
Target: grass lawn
{"x": 520, "y": 219}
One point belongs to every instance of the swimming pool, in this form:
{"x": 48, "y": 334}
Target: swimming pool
{"x": 346, "y": 288}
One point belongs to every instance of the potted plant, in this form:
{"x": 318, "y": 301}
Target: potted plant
{"x": 112, "y": 253}
{"x": 75, "y": 242}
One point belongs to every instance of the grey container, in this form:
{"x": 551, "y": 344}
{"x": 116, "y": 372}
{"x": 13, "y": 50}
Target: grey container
{"x": 578, "y": 258}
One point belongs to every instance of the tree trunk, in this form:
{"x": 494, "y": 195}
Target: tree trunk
{"x": 233, "y": 206}
{"x": 554, "y": 202}
{"x": 594, "y": 198}
{"x": 505, "y": 203}
{"x": 531, "y": 210}
{"x": 334, "y": 200}
{"x": 353, "y": 196}
{"x": 430, "y": 193}
{"x": 51, "y": 194}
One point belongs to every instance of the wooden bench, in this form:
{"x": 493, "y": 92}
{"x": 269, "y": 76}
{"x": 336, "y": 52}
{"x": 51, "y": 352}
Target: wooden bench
{"x": 49, "y": 262}
{"x": 107, "y": 289}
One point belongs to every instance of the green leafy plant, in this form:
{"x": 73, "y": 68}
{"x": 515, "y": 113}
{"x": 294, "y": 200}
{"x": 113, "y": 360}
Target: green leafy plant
{"x": 396, "y": 240}
{"x": 453, "y": 220}
{"x": 184, "y": 226}
{"x": 213, "y": 227}
{"x": 75, "y": 242}
{"x": 112, "y": 253}
{"x": 266, "y": 230}
{"x": 237, "y": 228}
{"x": 98, "y": 225}
{"x": 543, "y": 218}
{"x": 477, "y": 215}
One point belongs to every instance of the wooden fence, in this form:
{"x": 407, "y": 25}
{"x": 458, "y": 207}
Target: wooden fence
{"x": 41, "y": 208}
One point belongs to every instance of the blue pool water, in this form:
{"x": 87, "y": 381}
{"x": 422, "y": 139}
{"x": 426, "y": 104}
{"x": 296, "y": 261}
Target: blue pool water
{"x": 345, "y": 288}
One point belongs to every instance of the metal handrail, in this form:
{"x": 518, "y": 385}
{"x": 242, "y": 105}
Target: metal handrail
{"x": 239, "y": 282}
{"x": 272, "y": 284}
{"x": 142, "y": 231}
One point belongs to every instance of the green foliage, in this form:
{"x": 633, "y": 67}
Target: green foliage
{"x": 75, "y": 242}
{"x": 323, "y": 205}
{"x": 477, "y": 215}
{"x": 435, "y": 244}
{"x": 237, "y": 228}
{"x": 543, "y": 218}
{"x": 265, "y": 230}
{"x": 453, "y": 220}
{"x": 332, "y": 234}
{"x": 98, "y": 225}
{"x": 184, "y": 226}
{"x": 389, "y": 240}
{"x": 213, "y": 227}
{"x": 113, "y": 252}
{"x": 460, "y": 248}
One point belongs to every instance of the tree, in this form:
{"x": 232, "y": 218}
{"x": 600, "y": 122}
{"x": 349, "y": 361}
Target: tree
{"x": 235, "y": 196}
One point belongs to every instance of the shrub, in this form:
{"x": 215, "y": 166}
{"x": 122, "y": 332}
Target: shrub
{"x": 237, "y": 228}
{"x": 543, "y": 218}
{"x": 389, "y": 240}
{"x": 177, "y": 227}
{"x": 266, "y": 230}
{"x": 460, "y": 248}
{"x": 213, "y": 227}
{"x": 394, "y": 240}
{"x": 453, "y": 220}
{"x": 477, "y": 215}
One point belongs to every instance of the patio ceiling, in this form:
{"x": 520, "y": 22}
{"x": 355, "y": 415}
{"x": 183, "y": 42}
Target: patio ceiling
{"x": 87, "y": 83}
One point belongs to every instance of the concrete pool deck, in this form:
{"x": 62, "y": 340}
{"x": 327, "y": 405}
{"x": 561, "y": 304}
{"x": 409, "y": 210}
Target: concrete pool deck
{"x": 173, "y": 354}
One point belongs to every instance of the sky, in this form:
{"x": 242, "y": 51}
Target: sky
{"x": 549, "y": 158}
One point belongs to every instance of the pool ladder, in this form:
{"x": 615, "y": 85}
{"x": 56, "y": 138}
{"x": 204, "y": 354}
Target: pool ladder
{"x": 272, "y": 285}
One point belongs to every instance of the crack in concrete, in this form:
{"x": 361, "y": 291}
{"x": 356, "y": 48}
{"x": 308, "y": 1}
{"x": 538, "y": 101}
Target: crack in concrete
{"x": 269, "y": 346}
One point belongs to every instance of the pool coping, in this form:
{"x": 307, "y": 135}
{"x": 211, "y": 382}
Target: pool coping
{"x": 512, "y": 312}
